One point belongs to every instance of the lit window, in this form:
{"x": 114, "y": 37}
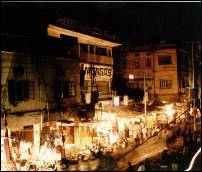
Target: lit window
{"x": 165, "y": 84}
{"x": 131, "y": 76}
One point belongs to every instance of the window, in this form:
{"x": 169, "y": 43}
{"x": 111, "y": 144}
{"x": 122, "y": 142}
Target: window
{"x": 136, "y": 62}
{"x": 61, "y": 72}
{"x": 64, "y": 89}
{"x": 109, "y": 53}
{"x": 165, "y": 84}
{"x": 91, "y": 49}
{"x": 84, "y": 47}
{"x": 131, "y": 76}
{"x": 18, "y": 71}
{"x": 163, "y": 60}
{"x": 185, "y": 82}
{"x": 137, "y": 54}
{"x": 101, "y": 51}
{"x": 148, "y": 61}
{"x": 20, "y": 90}
{"x": 148, "y": 54}
{"x": 124, "y": 63}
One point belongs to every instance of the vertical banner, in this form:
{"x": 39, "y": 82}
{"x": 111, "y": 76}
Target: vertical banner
{"x": 7, "y": 149}
{"x": 146, "y": 97}
{"x": 88, "y": 98}
{"x": 125, "y": 100}
{"x": 37, "y": 134}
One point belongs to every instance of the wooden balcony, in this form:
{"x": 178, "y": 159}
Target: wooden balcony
{"x": 94, "y": 58}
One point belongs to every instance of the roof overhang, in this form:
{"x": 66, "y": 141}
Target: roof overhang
{"x": 82, "y": 38}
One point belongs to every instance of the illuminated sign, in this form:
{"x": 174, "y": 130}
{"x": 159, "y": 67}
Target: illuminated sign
{"x": 36, "y": 134}
{"x": 116, "y": 101}
{"x": 88, "y": 98}
{"x": 101, "y": 72}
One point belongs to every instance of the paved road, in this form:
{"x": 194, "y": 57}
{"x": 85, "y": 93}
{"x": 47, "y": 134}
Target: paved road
{"x": 149, "y": 149}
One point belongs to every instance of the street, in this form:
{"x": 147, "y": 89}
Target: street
{"x": 150, "y": 149}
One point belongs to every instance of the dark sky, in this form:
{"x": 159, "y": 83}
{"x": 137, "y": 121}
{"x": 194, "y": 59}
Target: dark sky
{"x": 132, "y": 21}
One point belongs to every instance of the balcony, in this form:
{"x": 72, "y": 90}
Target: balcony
{"x": 94, "y": 58}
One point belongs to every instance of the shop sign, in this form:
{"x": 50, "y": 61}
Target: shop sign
{"x": 101, "y": 72}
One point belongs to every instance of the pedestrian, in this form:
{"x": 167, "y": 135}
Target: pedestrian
{"x": 198, "y": 114}
{"x": 165, "y": 158}
{"x": 99, "y": 153}
{"x": 147, "y": 165}
{"x": 130, "y": 167}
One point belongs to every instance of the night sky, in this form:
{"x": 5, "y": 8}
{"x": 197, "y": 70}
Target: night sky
{"x": 133, "y": 22}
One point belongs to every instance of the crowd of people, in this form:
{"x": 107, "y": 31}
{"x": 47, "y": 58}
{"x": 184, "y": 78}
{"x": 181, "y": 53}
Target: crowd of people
{"x": 176, "y": 157}
{"x": 130, "y": 137}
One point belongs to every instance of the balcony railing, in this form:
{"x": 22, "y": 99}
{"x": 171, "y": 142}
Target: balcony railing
{"x": 94, "y": 58}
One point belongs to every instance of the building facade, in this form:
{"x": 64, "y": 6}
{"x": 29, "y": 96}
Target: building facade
{"x": 37, "y": 83}
{"x": 46, "y": 82}
{"x": 164, "y": 71}
{"x": 96, "y": 62}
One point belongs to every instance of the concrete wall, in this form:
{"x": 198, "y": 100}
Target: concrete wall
{"x": 166, "y": 72}
{"x": 34, "y": 72}
{"x": 154, "y": 73}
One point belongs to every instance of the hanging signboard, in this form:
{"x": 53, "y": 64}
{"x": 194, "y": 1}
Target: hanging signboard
{"x": 88, "y": 98}
{"x": 102, "y": 72}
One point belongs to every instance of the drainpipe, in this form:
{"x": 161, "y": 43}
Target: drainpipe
{"x": 193, "y": 66}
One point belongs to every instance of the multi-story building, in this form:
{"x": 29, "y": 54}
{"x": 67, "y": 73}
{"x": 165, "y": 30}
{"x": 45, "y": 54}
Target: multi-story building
{"x": 95, "y": 57}
{"x": 38, "y": 80}
{"x": 46, "y": 80}
{"x": 163, "y": 70}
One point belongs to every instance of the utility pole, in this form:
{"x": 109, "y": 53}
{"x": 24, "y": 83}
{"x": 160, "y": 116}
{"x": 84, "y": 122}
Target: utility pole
{"x": 145, "y": 102}
{"x": 193, "y": 67}
{"x": 193, "y": 73}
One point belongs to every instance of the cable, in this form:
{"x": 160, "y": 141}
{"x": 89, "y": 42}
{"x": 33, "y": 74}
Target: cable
{"x": 193, "y": 160}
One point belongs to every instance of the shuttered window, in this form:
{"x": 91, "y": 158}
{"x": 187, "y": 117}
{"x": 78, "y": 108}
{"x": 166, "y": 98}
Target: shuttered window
{"x": 20, "y": 90}
{"x": 64, "y": 89}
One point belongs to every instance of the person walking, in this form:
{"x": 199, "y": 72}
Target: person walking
{"x": 147, "y": 165}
